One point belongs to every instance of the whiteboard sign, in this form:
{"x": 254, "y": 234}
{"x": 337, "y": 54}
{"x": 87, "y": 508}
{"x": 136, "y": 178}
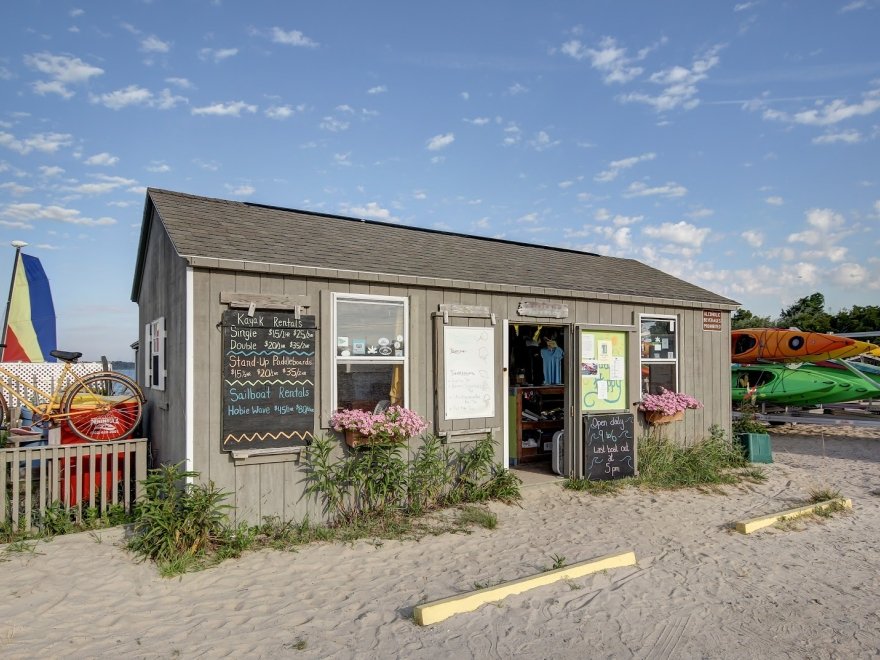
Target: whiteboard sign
{"x": 469, "y": 359}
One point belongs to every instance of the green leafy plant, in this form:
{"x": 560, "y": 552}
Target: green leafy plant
{"x": 180, "y": 524}
{"x": 558, "y": 562}
{"x": 666, "y": 464}
{"x": 604, "y": 487}
{"x": 475, "y": 515}
{"x": 747, "y": 421}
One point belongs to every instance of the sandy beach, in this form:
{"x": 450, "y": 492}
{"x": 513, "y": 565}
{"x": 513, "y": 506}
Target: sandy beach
{"x": 699, "y": 589}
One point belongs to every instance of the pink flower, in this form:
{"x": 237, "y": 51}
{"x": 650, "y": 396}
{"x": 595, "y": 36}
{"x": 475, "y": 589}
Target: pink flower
{"x": 395, "y": 424}
{"x": 668, "y": 402}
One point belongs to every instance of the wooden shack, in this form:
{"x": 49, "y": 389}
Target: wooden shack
{"x": 258, "y": 322}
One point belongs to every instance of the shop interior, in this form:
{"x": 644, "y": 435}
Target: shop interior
{"x": 537, "y": 382}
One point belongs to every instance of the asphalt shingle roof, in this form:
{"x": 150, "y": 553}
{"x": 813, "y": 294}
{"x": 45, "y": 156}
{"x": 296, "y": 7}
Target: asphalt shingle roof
{"x": 221, "y": 229}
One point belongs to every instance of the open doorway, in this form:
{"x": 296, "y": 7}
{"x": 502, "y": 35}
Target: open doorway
{"x": 537, "y": 394}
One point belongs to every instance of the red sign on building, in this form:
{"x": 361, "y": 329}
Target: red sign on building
{"x": 711, "y": 320}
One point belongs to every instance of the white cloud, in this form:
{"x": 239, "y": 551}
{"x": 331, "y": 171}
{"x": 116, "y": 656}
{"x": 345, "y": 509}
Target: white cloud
{"x": 241, "y": 190}
{"x": 121, "y": 98}
{"x": 168, "y": 100}
{"x": 292, "y": 38}
{"x": 279, "y": 112}
{"x": 51, "y": 170}
{"x": 679, "y": 83}
{"x": 47, "y": 143}
{"x": 158, "y": 166}
{"x": 542, "y": 141}
{"x": 742, "y": 6}
{"x": 378, "y": 89}
{"x": 34, "y": 212}
{"x": 102, "y": 159}
{"x": 440, "y": 141}
{"x": 478, "y": 121}
{"x": 183, "y": 83}
{"x": 775, "y": 200}
{"x": 823, "y": 114}
{"x": 154, "y": 44}
{"x": 824, "y": 223}
{"x": 15, "y": 189}
{"x": 825, "y": 219}
{"x": 62, "y": 70}
{"x": 512, "y": 135}
{"x": 516, "y": 89}
{"x": 609, "y": 59}
{"x": 421, "y": 194}
{"x": 853, "y": 6}
{"x": 563, "y": 185}
{"x": 849, "y": 136}
{"x": 681, "y": 233}
{"x": 753, "y": 238}
{"x": 104, "y": 185}
{"x": 615, "y": 167}
{"x": 834, "y": 253}
{"x": 209, "y": 165}
{"x": 333, "y": 124}
{"x": 850, "y": 274}
{"x": 217, "y": 54}
{"x": 342, "y": 159}
{"x": 232, "y": 109}
{"x": 372, "y": 211}
{"x": 671, "y": 189}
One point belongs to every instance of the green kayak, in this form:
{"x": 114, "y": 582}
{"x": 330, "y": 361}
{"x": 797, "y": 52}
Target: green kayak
{"x": 808, "y": 384}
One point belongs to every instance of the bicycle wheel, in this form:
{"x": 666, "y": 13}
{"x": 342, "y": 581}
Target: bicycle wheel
{"x": 103, "y": 406}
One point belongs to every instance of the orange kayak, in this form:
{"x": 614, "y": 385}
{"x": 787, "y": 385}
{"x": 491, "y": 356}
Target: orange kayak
{"x": 778, "y": 345}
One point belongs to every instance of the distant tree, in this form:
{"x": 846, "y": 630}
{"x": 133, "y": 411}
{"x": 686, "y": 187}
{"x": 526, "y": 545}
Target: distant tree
{"x": 743, "y": 318}
{"x": 807, "y": 314}
{"x": 857, "y": 319}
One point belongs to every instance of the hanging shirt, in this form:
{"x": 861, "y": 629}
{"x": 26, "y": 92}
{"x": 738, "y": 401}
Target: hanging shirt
{"x": 552, "y": 358}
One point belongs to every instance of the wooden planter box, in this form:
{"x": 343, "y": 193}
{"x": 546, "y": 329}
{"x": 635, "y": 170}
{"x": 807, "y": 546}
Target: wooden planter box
{"x": 655, "y": 417}
{"x": 756, "y": 447}
{"x": 355, "y": 439}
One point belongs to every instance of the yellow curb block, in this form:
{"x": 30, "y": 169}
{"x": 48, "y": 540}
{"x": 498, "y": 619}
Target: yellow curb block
{"x": 438, "y": 610}
{"x": 754, "y": 524}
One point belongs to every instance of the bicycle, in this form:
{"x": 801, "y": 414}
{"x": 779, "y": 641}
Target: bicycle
{"x": 101, "y": 406}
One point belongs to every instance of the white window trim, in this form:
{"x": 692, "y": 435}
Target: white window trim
{"x": 148, "y": 355}
{"x": 662, "y": 317}
{"x": 156, "y": 334}
{"x": 353, "y": 359}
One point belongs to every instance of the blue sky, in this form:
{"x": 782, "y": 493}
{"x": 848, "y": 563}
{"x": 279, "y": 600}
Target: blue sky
{"x": 733, "y": 144}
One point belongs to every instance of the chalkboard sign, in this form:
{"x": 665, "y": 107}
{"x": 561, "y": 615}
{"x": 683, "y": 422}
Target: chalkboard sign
{"x": 268, "y": 380}
{"x": 609, "y": 446}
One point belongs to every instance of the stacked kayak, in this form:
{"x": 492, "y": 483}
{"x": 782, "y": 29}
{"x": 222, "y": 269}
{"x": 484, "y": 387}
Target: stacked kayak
{"x": 754, "y": 345}
{"x": 801, "y": 385}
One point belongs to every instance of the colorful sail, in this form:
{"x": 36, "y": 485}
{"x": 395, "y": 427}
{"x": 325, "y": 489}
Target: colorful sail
{"x": 30, "y": 333}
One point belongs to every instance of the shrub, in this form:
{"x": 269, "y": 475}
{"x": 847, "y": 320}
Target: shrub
{"x": 179, "y": 525}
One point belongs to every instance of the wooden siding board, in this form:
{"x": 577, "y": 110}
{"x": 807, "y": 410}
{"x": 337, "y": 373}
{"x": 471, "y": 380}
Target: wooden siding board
{"x": 221, "y": 469}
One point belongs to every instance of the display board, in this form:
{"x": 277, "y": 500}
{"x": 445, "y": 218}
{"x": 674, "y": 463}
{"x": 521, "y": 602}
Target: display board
{"x": 609, "y": 446}
{"x": 268, "y": 380}
{"x": 603, "y": 367}
{"x": 469, "y": 372}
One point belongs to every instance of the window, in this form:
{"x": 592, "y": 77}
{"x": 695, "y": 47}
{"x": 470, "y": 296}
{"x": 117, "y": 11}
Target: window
{"x": 372, "y": 347}
{"x": 659, "y": 352}
{"x": 154, "y": 354}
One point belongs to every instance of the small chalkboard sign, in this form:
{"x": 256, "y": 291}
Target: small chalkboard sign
{"x": 609, "y": 446}
{"x": 268, "y": 380}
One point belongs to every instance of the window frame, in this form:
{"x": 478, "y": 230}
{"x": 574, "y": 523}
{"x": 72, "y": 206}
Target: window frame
{"x": 673, "y": 361}
{"x": 335, "y": 298}
{"x": 155, "y": 337}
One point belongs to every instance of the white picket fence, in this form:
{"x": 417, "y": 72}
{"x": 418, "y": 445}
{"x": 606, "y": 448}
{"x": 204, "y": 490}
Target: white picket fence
{"x": 78, "y": 476}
